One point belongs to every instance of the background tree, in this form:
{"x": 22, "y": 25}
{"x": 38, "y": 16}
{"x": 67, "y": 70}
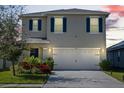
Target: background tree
{"x": 10, "y": 45}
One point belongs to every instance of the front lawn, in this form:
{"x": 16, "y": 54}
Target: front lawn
{"x": 6, "y": 77}
{"x": 117, "y": 74}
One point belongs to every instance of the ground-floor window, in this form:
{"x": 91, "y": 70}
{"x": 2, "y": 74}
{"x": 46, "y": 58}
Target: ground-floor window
{"x": 34, "y": 52}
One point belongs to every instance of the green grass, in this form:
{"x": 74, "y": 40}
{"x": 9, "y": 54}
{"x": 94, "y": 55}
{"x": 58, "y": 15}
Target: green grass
{"x": 6, "y": 77}
{"x": 117, "y": 74}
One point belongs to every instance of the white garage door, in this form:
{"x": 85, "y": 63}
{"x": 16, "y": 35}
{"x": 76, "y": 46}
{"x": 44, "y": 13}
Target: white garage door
{"x": 72, "y": 59}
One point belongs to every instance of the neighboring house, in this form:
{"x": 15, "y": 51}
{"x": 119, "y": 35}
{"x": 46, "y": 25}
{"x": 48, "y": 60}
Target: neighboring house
{"x": 115, "y": 54}
{"x": 7, "y": 65}
{"x": 75, "y": 38}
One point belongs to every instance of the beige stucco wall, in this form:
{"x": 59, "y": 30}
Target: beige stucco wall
{"x": 27, "y": 33}
{"x": 75, "y": 37}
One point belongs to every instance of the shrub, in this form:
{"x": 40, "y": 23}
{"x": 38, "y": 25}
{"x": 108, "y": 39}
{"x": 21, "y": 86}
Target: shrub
{"x": 105, "y": 65}
{"x": 19, "y": 69}
{"x": 45, "y": 69}
{"x": 32, "y": 60}
{"x": 35, "y": 70}
{"x": 50, "y": 62}
{"x": 26, "y": 65}
{"x": 33, "y": 65}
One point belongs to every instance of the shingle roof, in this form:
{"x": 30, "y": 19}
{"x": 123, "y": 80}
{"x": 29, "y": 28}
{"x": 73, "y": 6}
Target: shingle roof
{"x": 116, "y": 46}
{"x": 67, "y": 11}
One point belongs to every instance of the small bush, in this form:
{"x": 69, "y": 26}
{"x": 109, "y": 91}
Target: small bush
{"x": 50, "y": 62}
{"x": 33, "y": 65}
{"x": 19, "y": 69}
{"x": 35, "y": 70}
{"x": 16, "y": 69}
{"x": 26, "y": 65}
{"x": 45, "y": 69}
{"x": 32, "y": 60}
{"x": 105, "y": 65}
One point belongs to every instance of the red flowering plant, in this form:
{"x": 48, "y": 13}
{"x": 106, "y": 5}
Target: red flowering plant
{"x": 34, "y": 64}
{"x": 30, "y": 63}
{"x": 26, "y": 66}
{"x": 45, "y": 69}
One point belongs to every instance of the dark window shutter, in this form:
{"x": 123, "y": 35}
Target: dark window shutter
{"x": 52, "y": 24}
{"x": 30, "y": 25}
{"x": 88, "y": 24}
{"x": 100, "y": 24}
{"x": 64, "y": 24}
{"x": 39, "y": 24}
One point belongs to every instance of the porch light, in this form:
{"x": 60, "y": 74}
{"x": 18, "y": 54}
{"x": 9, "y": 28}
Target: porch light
{"x": 49, "y": 50}
{"x": 102, "y": 50}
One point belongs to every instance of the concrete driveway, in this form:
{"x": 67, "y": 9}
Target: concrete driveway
{"x": 82, "y": 79}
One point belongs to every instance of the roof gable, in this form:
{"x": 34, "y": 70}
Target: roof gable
{"x": 67, "y": 11}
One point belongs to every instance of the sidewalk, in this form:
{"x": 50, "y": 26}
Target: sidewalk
{"x": 21, "y": 85}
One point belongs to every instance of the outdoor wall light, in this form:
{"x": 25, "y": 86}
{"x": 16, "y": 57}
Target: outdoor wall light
{"x": 102, "y": 50}
{"x": 49, "y": 50}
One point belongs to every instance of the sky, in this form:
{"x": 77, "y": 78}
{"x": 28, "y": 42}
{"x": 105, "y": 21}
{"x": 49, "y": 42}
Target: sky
{"x": 114, "y": 23}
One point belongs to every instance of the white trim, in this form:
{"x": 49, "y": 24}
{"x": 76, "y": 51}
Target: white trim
{"x": 94, "y": 16}
{"x": 94, "y": 32}
{"x": 76, "y": 48}
{"x": 34, "y": 31}
{"x": 35, "y": 40}
{"x": 58, "y": 16}
{"x": 37, "y": 25}
{"x": 90, "y": 25}
{"x": 58, "y": 32}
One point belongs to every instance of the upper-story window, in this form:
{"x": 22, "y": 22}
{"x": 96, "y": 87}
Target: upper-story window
{"x": 58, "y": 24}
{"x": 35, "y": 25}
{"x": 94, "y": 24}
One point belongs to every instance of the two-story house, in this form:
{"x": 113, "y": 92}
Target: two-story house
{"x": 75, "y": 38}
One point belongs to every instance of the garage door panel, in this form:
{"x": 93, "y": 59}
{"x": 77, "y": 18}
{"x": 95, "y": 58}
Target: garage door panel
{"x": 89, "y": 61}
{"x": 64, "y": 61}
{"x": 76, "y": 58}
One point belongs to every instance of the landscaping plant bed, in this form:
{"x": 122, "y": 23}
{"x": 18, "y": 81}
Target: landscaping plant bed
{"x": 30, "y": 71}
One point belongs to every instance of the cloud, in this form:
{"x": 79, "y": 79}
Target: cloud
{"x": 110, "y": 23}
{"x": 115, "y": 9}
{"x": 114, "y": 24}
{"x": 115, "y": 18}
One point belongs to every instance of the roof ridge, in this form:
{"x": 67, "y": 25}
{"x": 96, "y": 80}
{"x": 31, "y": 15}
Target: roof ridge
{"x": 69, "y": 10}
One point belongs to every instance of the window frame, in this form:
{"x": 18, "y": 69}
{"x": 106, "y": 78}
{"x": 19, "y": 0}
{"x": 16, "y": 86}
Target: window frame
{"x": 36, "y": 25}
{"x": 91, "y": 25}
{"x": 56, "y": 32}
{"x": 36, "y": 19}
